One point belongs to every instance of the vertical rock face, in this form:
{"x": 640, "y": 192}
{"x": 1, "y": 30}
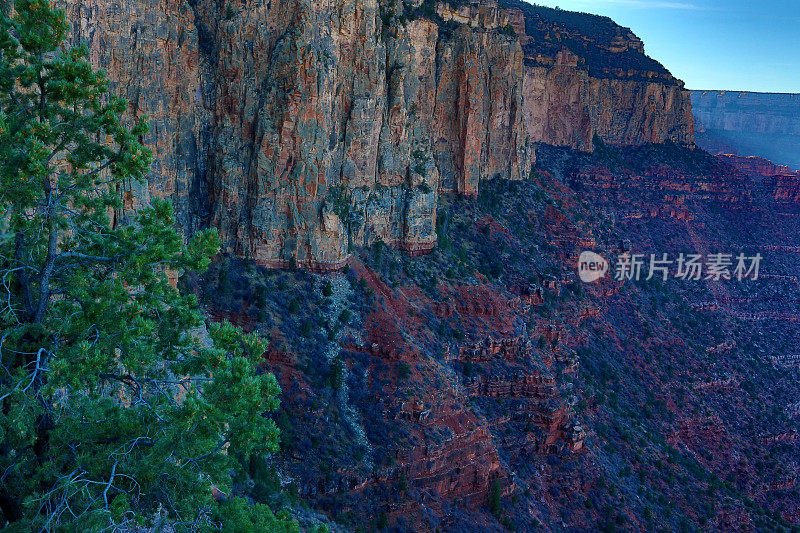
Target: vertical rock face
{"x": 151, "y": 51}
{"x": 635, "y": 112}
{"x": 478, "y": 114}
{"x": 332, "y": 128}
{"x": 577, "y": 85}
{"x": 343, "y": 128}
{"x": 301, "y": 128}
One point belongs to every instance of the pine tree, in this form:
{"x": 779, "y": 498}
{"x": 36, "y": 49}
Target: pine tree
{"x": 118, "y": 406}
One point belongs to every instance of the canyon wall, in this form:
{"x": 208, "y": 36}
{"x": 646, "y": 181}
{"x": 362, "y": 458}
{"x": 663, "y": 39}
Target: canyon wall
{"x": 152, "y": 54}
{"x": 584, "y": 76}
{"x": 302, "y": 128}
{"x": 565, "y": 106}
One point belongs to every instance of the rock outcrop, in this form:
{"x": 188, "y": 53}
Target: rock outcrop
{"x": 756, "y": 166}
{"x": 301, "y": 128}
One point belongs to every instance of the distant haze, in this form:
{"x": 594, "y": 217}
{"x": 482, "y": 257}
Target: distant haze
{"x": 713, "y": 44}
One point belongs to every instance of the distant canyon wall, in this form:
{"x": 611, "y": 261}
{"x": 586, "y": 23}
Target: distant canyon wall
{"x": 746, "y": 123}
{"x": 302, "y": 128}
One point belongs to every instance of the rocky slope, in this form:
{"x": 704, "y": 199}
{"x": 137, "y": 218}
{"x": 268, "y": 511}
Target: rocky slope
{"x": 745, "y": 123}
{"x": 302, "y": 128}
{"x": 482, "y": 387}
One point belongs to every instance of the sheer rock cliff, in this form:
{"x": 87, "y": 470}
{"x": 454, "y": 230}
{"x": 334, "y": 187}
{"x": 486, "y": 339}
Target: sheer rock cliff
{"x": 302, "y": 128}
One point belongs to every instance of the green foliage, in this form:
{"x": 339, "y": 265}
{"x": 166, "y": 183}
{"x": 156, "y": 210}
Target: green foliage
{"x": 118, "y": 407}
{"x": 428, "y": 8}
{"x": 237, "y": 515}
{"x": 230, "y": 12}
{"x": 387, "y": 20}
{"x": 607, "y": 155}
{"x": 495, "y": 494}
{"x": 327, "y": 289}
{"x": 308, "y": 328}
{"x": 403, "y": 371}
{"x": 337, "y": 372}
{"x": 341, "y": 201}
{"x": 468, "y": 368}
{"x": 421, "y": 160}
{"x": 685, "y": 159}
{"x": 378, "y": 250}
{"x": 507, "y": 30}
{"x": 383, "y": 521}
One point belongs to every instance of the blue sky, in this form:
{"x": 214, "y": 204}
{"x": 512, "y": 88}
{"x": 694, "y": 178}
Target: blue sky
{"x": 749, "y": 45}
